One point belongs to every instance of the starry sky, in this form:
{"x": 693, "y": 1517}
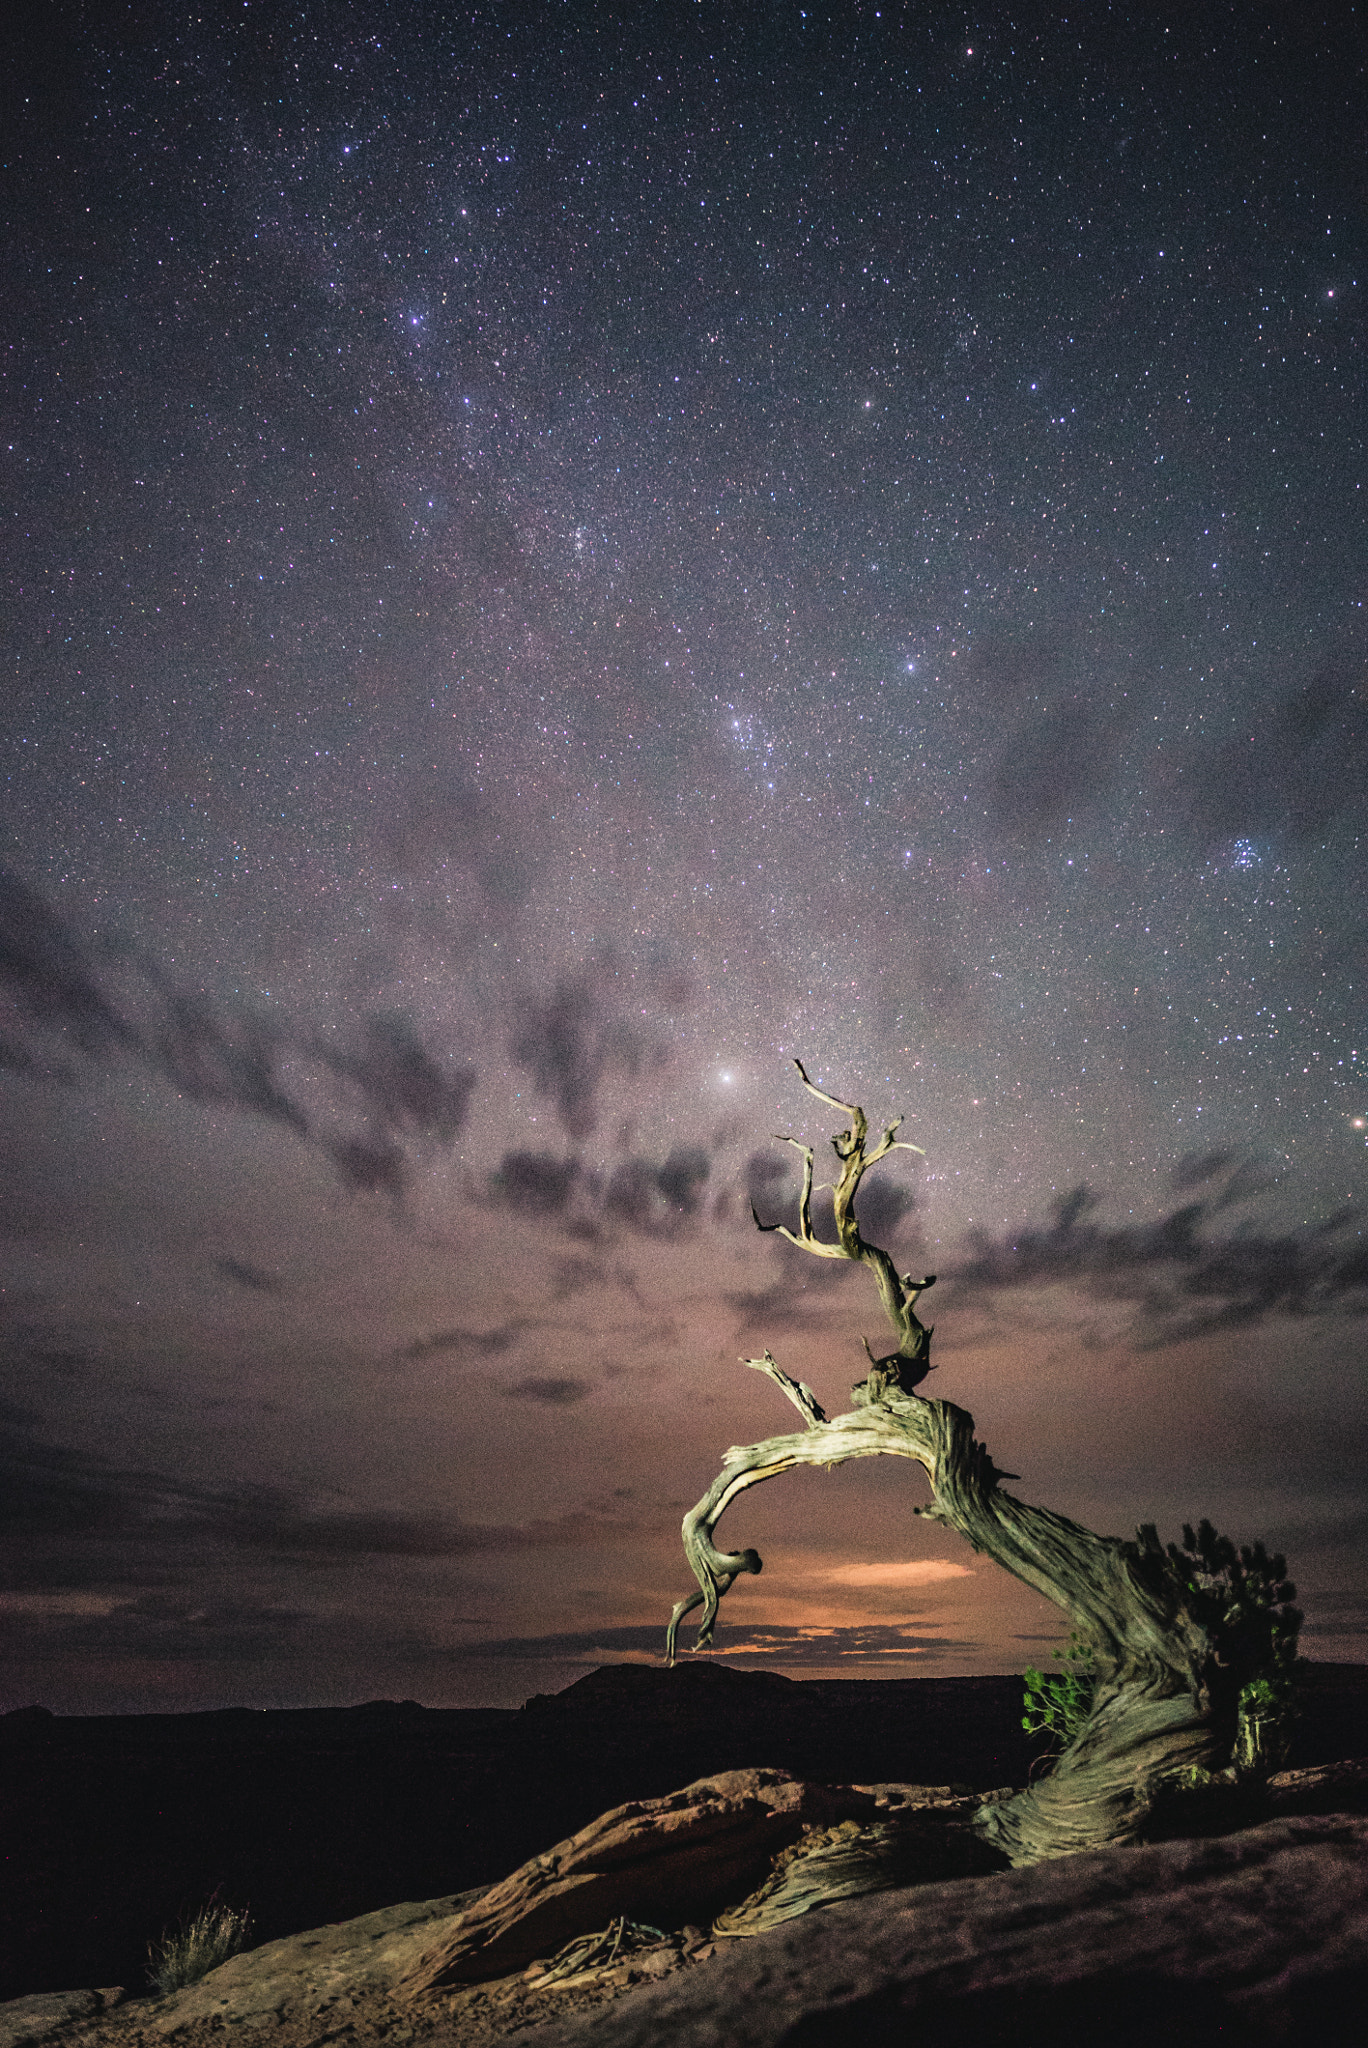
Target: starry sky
{"x": 561, "y": 558}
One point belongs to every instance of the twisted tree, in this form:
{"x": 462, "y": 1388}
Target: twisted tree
{"x": 1177, "y": 1637}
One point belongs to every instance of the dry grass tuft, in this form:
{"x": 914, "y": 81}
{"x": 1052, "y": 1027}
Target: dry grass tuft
{"x": 197, "y": 1947}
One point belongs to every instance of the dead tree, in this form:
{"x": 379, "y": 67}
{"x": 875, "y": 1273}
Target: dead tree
{"x": 1169, "y": 1667}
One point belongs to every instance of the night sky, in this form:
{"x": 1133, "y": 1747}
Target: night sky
{"x": 561, "y": 558}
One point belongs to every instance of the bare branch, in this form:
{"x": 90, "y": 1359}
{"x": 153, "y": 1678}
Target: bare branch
{"x": 852, "y": 1111}
{"x": 798, "y": 1391}
{"x": 911, "y": 1362}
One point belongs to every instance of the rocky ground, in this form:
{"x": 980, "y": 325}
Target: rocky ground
{"x": 337, "y": 1985}
{"x": 116, "y": 1828}
{"x": 1261, "y": 1932}
{"x": 1258, "y": 1930}
{"x": 1258, "y": 1938}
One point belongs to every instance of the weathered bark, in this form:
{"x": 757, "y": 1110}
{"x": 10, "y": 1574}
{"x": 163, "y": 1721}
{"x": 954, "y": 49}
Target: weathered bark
{"x": 1165, "y": 1704}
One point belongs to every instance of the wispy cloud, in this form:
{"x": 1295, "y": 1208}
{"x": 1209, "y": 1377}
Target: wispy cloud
{"x": 255, "y": 1278}
{"x": 816, "y": 1650}
{"x": 385, "y": 1080}
{"x": 550, "y": 1391}
{"x": 228, "y": 1059}
{"x": 369, "y": 1166}
{"x": 47, "y": 974}
{"x": 537, "y": 1183}
{"x": 400, "y": 1082}
{"x": 462, "y": 1345}
{"x": 453, "y": 823}
{"x": 916, "y": 1571}
{"x": 637, "y": 1194}
{"x": 571, "y": 1041}
{"x": 1188, "y": 1270}
{"x": 1057, "y": 762}
{"x": 1294, "y": 764}
{"x": 70, "y": 1518}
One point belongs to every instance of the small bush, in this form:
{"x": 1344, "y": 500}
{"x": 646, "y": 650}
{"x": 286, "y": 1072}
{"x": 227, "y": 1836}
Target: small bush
{"x": 197, "y": 1947}
{"x": 1059, "y": 1706}
{"x": 1245, "y": 1599}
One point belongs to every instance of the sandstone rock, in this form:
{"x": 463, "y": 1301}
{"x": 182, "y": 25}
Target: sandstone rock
{"x": 666, "y": 1861}
{"x": 310, "y": 1971}
{"x": 1262, "y": 1930}
{"x": 23, "y": 2020}
{"x": 1259, "y": 1937}
{"x": 1322, "y": 1788}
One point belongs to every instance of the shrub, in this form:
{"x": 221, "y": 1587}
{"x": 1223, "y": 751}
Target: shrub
{"x": 197, "y": 1947}
{"x": 1245, "y": 1599}
{"x": 1059, "y": 1706}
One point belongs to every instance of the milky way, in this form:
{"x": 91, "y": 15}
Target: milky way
{"x": 556, "y": 565}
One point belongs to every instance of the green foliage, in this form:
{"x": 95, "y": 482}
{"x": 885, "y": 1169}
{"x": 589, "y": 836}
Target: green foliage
{"x": 197, "y": 1947}
{"x": 1243, "y": 1599}
{"x": 1059, "y": 1706}
{"x": 1268, "y": 1708}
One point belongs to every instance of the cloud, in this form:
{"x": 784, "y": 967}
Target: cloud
{"x": 67, "y": 1360}
{"x": 16, "y": 1058}
{"x": 457, "y": 823}
{"x": 654, "y": 1200}
{"x": 167, "y": 1628}
{"x": 370, "y": 1166}
{"x": 253, "y": 1277}
{"x": 772, "y": 1190}
{"x": 225, "y": 1058}
{"x": 881, "y": 1209}
{"x": 1195, "y": 1169}
{"x": 550, "y": 1392}
{"x": 45, "y": 969}
{"x": 1294, "y": 764}
{"x": 70, "y": 1519}
{"x": 574, "y": 1275}
{"x": 630, "y": 1192}
{"x": 1054, "y": 765}
{"x": 781, "y": 1306}
{"x": 569, "y": 1043}
{"x": 799, "y": 1293}
{"x": 401, "y": 1091}
{"x": 765, "y": 1176}
{"x": 402, "y": 1083}
{"x": 681, "y": 1178}
{"x": 813, "y": 1650}
{"x": 773, "y": 1198}
{"x": 404, "y": 1094}
{"x": 1339, "y": 1612}
{"x": 535, "y": 1182}
{"x": 227, "y": 1055}
{"x": 1188, "y": 1277}
{"x": 461, "y": 1345}
{"x": 917, "y": 1571}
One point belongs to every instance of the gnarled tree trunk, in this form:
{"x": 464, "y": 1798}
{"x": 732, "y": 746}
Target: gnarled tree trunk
{"x": 1164, "y": 1706}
